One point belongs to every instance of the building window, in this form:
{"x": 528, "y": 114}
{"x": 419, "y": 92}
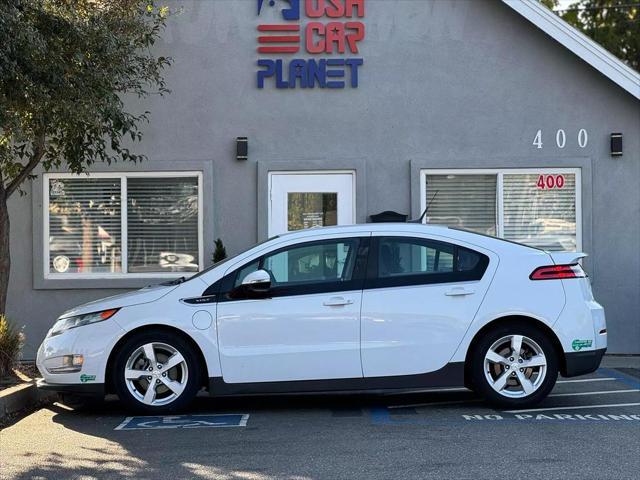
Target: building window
{"x": 130, "y": 224}
{"x": 540, "y": 208}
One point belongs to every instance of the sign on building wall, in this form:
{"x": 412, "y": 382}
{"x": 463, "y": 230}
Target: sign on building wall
{"x": 313, "y": 44}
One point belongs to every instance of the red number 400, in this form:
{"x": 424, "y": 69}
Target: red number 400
{"x": 550, "y": 182}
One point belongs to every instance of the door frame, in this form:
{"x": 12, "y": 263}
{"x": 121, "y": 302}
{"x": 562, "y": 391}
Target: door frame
{"x": 272, "y": 173}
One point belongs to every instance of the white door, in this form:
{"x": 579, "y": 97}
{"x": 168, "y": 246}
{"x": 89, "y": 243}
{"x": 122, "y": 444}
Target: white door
{"x": 306, "y": 327}
{"x": 305, "y": 200}
{"x": 417, "y": 308}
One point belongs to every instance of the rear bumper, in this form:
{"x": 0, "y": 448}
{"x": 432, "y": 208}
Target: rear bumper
{"x": 581, "y": 363}
{"x": 91, "y": 390}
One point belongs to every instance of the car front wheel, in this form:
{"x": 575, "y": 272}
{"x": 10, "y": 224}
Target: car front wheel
{"x": 514, "y": 366}
{"x": 156, "y": 372}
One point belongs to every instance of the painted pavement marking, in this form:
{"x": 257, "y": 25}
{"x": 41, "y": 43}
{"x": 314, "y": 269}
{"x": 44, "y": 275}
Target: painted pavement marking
{"x": 581, "y": 380}
{"x": 577, "y": 407}
{"x": 158, "y": 422}
{"x": 601, "y": 392}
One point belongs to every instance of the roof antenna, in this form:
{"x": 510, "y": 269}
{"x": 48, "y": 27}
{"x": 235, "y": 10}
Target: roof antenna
{"x": 424, "y": 214}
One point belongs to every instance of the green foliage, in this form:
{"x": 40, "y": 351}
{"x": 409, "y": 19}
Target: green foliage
{"x": 220, "y": 253}
{"x": 65, "y": 68}
{"x": 551, "y": 4}
{"x": 11, "y": 341}
{"x": 614, "y": 24}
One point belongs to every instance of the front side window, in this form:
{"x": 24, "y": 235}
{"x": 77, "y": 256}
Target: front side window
{"x": 536, "y": 208}
{"x": 122, "y": 224}
{"x": 307, "y": 268}
{"x": 315, "y": 263}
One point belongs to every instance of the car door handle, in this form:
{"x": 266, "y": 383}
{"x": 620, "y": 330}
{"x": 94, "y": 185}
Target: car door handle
{"x": 337, "y": 302}
{"x": 459, "y": 292}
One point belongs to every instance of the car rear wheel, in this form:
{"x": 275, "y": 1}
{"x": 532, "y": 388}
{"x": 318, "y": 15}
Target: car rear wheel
{"x": 156, "y": 372}
{"x": 514, "y": 366}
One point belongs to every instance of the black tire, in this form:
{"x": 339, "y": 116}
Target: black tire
{"x": 477, "y": 368}
{"x": 134, "y": 343}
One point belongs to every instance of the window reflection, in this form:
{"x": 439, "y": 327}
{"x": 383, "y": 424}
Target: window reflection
{"x": 306, "y": 210}
{"x": 84, "y": 225}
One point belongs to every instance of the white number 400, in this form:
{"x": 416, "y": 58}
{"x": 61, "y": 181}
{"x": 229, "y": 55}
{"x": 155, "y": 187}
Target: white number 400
{"x": 561, "y": 139}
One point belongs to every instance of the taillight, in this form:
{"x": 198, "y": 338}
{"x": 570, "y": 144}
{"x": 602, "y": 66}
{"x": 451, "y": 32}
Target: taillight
{"x": 555, "y": 272}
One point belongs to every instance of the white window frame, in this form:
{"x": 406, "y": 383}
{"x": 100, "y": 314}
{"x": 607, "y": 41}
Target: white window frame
{"x": 500, "y": 172}
{"x": 123, "y": 176}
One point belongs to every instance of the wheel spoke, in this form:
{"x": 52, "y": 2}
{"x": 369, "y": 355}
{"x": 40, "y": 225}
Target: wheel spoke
{"x": 175, "y": 387}
{"x": 496, "y": 358}
{"x": 516, "y": 344}
{"x": 150, "y": 394}
{"x": 132, "y": 374}
{"x": 535, "y": 361}
{"x": 526, "y": 384}
{"x": 501, "y": 381}
{"x": 175, "y": 359}
{"x": 150, "y": 353}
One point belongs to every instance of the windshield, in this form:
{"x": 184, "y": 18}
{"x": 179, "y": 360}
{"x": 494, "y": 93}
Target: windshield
{"x": 221, "y": 262}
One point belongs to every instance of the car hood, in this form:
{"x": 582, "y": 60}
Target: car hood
{"x": 137, "y": 297}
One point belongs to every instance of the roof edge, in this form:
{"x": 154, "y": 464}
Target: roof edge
{"x": 583, "y": 46}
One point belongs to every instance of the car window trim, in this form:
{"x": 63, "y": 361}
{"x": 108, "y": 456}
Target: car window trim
{"x": 224, "y": 286}
{"x": 373, "y": 280}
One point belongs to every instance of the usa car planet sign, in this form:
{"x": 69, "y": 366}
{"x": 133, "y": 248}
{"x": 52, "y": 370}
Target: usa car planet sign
{"x": 312, "y": 44}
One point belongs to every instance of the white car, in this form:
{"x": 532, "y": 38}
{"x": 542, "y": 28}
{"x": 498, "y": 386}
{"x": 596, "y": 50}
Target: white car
{"x": 359, "y": 308}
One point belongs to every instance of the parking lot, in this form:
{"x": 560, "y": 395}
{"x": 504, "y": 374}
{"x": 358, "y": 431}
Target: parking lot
{"x": 589, "y": 428}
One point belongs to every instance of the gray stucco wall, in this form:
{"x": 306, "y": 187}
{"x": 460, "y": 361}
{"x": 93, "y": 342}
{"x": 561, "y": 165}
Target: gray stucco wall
{"x": 446, "y": 83}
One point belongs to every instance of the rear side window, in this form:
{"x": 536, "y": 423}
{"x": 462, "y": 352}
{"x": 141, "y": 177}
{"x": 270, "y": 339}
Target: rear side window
{"x": 400, "y": 261}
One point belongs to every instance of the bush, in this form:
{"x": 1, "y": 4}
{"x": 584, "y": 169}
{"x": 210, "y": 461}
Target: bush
{"x": 220, "y": 253}
{"x": 11, "y": 341}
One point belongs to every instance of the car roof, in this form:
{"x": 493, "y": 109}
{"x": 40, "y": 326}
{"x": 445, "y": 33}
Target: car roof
{"x": 479, "y": 239}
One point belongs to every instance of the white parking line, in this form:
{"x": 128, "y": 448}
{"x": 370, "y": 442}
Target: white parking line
{"x": 574, "y": 408}
{"x": 431, "y": 404}
{"x": 605, "y": 392}
{"x": 580, "y": 380}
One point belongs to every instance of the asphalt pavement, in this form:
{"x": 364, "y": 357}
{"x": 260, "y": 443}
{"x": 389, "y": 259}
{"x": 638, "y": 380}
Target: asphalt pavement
{"x": 589, "y": 428}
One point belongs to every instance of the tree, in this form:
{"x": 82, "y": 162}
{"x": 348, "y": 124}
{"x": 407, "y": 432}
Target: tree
{"x": 614, "y": 24}
{"x": 65, "y": 68}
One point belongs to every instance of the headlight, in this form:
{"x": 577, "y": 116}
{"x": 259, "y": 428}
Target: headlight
{"x": 65, "y": 324}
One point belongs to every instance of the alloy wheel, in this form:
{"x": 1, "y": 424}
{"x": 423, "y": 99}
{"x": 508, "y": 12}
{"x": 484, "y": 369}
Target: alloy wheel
{"x": 156, "y": 374}
{"x": 515, "y": 366}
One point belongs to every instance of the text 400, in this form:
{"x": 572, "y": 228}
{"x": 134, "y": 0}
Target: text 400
{"x": 561, "y": 139}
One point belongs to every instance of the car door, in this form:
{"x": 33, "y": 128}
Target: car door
{"x": 420, "y": 298}
{"x": 307, "y": 326}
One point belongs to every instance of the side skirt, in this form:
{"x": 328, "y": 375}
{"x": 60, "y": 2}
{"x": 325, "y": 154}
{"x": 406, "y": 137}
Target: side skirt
{"x": 449, "y": 376}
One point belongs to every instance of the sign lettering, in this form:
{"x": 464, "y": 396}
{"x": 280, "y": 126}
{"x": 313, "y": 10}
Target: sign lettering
{"x": 340, "y": 33}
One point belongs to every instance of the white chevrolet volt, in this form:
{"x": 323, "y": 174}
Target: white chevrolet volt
{"x": 341, "y": 309}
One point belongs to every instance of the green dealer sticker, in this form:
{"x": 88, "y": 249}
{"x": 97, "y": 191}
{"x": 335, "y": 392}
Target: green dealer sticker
{"x": 87, "y": 378}
{"x": 578, "y": 345}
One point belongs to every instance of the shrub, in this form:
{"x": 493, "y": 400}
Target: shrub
{"x": 11, "y": 341}
{"x": 220, "y": 253}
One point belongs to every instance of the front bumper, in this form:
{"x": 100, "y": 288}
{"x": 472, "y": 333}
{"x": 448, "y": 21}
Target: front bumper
{"x": 94, "y": 342}
{"x": 581, "y": 363}
{"x": 90, "y": 390}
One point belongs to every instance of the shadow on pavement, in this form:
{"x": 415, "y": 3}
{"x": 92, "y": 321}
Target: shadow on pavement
{"x": 276, "y": 446}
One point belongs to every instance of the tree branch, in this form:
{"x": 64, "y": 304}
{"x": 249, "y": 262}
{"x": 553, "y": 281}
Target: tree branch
{"x": 38, "y": 152}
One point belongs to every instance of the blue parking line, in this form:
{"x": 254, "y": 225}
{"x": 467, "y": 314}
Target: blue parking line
{"x": 621, "y": 377}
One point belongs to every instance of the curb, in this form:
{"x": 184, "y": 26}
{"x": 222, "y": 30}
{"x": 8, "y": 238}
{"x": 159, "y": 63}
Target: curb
{"x": 20, "y": 397}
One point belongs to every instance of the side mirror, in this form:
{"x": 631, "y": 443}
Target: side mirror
{"x": 257, "y": 282}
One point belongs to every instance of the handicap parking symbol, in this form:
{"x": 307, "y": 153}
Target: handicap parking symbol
{"x": 184, "y": 421}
